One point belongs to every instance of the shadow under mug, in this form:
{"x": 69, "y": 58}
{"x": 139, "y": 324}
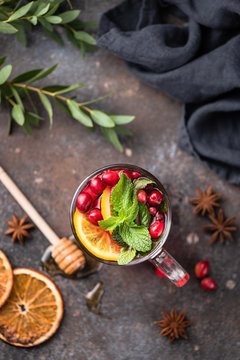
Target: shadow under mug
{"x": 159, "y": 257}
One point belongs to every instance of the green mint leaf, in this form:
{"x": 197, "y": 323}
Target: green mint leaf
{"x": 133, "y": 211}
{"x": 118, "y": 239}
{"x": 126, "y": 256}
{"x": 141, "y": 183}
{"x": 137, "y": 237}
{"x": 109, "y": 224}
{"x": 144, "y": 215}
{"x": 164, "y": 206}
{"x": 121, "y": 196}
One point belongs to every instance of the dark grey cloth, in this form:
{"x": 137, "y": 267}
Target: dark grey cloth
{"x": 196, "y": 61}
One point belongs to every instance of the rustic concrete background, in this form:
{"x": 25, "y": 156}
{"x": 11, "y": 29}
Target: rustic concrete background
{"x": 49, "y": 166}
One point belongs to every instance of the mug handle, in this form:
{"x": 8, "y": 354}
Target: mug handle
{"x": 170, "y": 268}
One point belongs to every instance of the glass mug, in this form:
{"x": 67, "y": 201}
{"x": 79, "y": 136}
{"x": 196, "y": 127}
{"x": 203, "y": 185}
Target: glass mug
{"x": 159, "y": 257}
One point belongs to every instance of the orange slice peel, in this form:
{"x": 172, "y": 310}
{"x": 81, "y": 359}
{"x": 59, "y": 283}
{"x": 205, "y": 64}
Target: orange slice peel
{"x": 6, "y": 278}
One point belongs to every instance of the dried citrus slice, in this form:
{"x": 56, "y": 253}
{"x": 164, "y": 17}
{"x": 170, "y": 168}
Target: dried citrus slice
{"x": 6, "y": 278}
{"x": 33, "y": 311}
{"x": 95, "y": 239}
{"x": 106, "y": 206}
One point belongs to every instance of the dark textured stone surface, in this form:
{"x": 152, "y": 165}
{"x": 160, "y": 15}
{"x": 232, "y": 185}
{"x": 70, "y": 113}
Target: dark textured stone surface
{"x": 49, "y": 166}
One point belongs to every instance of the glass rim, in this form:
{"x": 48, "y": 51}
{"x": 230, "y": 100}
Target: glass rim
{"x": 121, "y": 166}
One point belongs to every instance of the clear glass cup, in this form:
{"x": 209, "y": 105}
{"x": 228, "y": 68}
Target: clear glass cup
{"x": 159, "y": 257}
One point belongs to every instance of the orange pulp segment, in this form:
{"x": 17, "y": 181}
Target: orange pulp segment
{"x": 96, "y": 240}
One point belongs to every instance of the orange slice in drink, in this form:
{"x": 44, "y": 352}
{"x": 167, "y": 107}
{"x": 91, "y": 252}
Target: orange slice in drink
{"x": 33, "y": 311}
{"x": 96, "y": 240}
{"x": 106, "y": 206}
{"x": 6, "y": 278}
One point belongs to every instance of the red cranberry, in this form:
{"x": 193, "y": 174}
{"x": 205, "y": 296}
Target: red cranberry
{"x": 135, "y": 175}
{"x": 96, "y": 185}
{"x": 153, "y": 211}
{"x": 97, "y": 203}
{"x": 142, "y": 196}
{"x": 160, "y": 216}
{"x": 156, "y": 229}
{"x": 201, "y": 268}
{"x": 94, "y": 216}
{"x": 110, "y": 177}
{"x": 155, "y": 198}
{"x": 159, "y": 272}
{"x": 149, "y": 188}
{"x": 208, "y": 284}
{"x": 89, "y": 191}
{"x": 84, "y": 201}
{"x": 127, "y": 173}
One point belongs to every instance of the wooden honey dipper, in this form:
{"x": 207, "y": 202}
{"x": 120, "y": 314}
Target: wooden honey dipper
{"x": 66, "y": 254}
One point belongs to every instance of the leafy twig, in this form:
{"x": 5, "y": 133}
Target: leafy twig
{"x": 16, "y": 18}
{"x": 12, "y": 93}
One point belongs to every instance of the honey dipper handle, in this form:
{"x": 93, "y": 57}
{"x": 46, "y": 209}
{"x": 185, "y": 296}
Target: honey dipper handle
{"x": 28, "y": 208}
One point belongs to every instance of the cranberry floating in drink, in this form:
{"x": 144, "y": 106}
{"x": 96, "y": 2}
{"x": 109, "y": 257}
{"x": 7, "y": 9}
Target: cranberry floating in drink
{"x": 121, "y": 214}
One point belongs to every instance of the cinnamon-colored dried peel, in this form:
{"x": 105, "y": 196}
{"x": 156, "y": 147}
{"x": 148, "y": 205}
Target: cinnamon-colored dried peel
{"x": 174, "y": 325}
{"x": 220, "y": 227}
{"x": 18, "y": 228}
{"x": 206, "y": 201}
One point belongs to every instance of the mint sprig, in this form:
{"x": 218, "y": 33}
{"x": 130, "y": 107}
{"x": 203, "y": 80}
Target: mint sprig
{"x": 126, "y": 208}
{"x": 126, "y": 256}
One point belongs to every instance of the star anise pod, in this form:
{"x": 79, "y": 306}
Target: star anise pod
{"x": 220, "y": 227}
{"x": 206, "y": 201}
{"x": 18, "y": 228}
{"x": 173, "y": 325}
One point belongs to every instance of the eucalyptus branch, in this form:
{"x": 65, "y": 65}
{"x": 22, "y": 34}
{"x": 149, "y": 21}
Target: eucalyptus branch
{"x": 14, "y": 92}
{"x": 17, "y": 19}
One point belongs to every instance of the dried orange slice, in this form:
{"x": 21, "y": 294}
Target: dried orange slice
{"x": 95, "y": 239}
{"x": 6, "y": 278}
{"x": 33, "y": 311}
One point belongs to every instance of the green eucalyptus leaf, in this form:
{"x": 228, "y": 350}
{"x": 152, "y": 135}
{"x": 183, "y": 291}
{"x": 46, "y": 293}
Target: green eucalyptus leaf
{"x": 26, "y": 76}
{"x": 42, "y": 9}
{"x": 122, "y": 119}
{"x": 46, "y": 25}
{"x": 111, "y": 136}
{"x": 20, "y": 12}
{"x": 44, "y": 74}
{"x": 102, "y": 119}
{"x": 69, "y": 16}
{"x": 70, "y": 88}
{"x": 33, "y": 20}
{"x": 54, "y": 35}
{"x": 21, "y": 35}
{"x": 53, "y": 9}
{"x": 78, "y": 114}
{"x": 48, "y": 107}
{"x": 54, "y": 88}
{"x": 16, "y": 96}
{"x": 84, "y": 36}
{"x": 7, "y": 28}
{"x": 63, "y": 106}
{"x": 27, "y": 126}
{"x": 53, "y": 19}
{"x": 18, "y": 114}
{"x": 2, "y": 59}
{"x": 123, "y": 131}
{"x": 5, "y": 73}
